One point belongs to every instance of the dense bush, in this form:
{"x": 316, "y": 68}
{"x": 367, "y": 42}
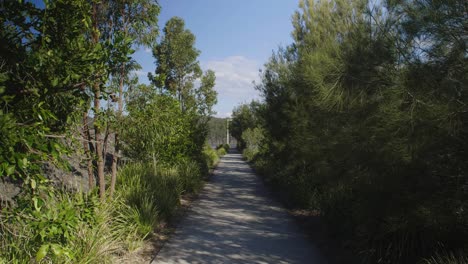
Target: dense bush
{"x": 66, "y": 76}
{"x": 227, "y": 147}
{"x": 153, "y": 191}
{"x": 221, "y": 152}
{"x": 78, "y": 228}
{"x": 222, "y": 149}
{"x": 156, "y": 129}
{"x": 59, "y": 227}
{"x": 210, "y": 155}
{"x": 363, "y": 124}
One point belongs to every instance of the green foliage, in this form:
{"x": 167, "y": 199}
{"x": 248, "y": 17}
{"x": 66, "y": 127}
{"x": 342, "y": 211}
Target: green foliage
{"x": 53, "y": 61}
{"x": 77, "y": 228}
{"x": 210, "y": 156}
{"x": 365, "y": 120}
{"x": 156, "y": 129}
{"x": 59, "y": 227}
{"x": 243, "y": 118}
{"x": 176, "y": 56}
{"x": 191, "y": 176}
{"x": 226, "y": 147}
{"x": 177, "y": 69}
{"x": 221, "y": 152}
{"x": 45, "y": 59}
{"x": 152, "y": 191}
{"x": 249, "y": 154}
{"x": 253, "y": 139}
{"x": 206, "y": 96}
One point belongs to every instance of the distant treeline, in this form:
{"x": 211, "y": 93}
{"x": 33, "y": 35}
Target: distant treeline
{"x": 217, "y": 133}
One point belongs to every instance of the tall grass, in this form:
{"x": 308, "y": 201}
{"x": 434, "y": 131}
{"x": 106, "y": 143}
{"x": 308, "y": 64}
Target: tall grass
{"x": 152, "y": 191}
{"x": 61, "y": 227}
{"x": 448, "y": 258}
{"x": 67, "y": 228}
{"x": 210, "y": 155}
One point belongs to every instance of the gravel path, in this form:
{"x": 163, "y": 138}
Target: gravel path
{"x": 236, "y": 221}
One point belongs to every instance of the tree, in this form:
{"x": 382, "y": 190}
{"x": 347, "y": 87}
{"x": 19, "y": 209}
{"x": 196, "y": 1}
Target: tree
{"x": 129, "y": 24}
{"x": 206, "y": 96}
{"x": 156, "y": 128}
{"x": 47, "y": 62}
{"x": 176, "y": 59}
{"x": 365, "y": 120}
{"x": 244, "y": 117}
{"x": 117, "y": 27}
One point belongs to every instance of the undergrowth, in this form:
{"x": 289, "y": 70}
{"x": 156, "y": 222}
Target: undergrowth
{"x": 56, "y": 226}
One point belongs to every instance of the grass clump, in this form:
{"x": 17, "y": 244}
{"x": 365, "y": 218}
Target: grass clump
{"x": 152, "y": 191}
{"x": 61, "y": 227}
{"x": 448, "y": 258}
{"x": 210, "y": 155}
{"x": 221, "y": 152}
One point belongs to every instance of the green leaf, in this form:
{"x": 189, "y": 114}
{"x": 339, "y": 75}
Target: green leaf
{"x": 55, "y": 82}
{"x": 56, "y": 249}
{"x": 10, "y": 170}
{"x": 34, "y": 199}
{"x": 24, "y": 163}
{"x": 33, "y": 184}
{"x": 42, "y": 252}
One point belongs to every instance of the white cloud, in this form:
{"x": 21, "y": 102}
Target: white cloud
{"x": 148, "y": 50}
{"x": 224, "y": 114}
{"x": 234, "y": 77}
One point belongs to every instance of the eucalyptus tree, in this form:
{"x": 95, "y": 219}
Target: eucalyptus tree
{"x": 176, "y": 59}
{"x": 128, "y": 25}
{"x": 206, "y": 96}
{"x": 118, "y": 27}
{"x": 177, "y": 68}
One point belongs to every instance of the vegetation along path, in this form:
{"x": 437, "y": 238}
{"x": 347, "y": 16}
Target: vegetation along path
{"x": 235, "y": 221}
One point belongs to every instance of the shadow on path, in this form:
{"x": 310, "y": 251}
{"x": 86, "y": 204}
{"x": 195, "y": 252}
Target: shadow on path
{"x": 235, "y": 221}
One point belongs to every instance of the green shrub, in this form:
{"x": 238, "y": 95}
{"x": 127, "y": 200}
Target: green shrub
{"x": 227, "y": 147}
{"x": 190, "y": 175}
{"x": 211, "y": 157}
{"x": 224, "y": 147}
{"x": 249, "y": 154}
{"x": 61, "y": 227}
{"x": 221, "y": 152}
{"x": 158, "y": 131}
{"x": 153, "y": 192}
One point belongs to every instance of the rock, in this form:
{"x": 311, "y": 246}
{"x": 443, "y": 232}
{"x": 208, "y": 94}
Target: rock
{"x": 8, "y": 191}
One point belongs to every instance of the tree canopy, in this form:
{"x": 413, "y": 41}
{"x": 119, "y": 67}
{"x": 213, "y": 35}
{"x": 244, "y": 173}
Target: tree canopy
{"x": 364, "y": 119}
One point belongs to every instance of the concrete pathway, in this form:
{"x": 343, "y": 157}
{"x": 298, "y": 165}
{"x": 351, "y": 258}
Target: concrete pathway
{"x": 235, "y": 221}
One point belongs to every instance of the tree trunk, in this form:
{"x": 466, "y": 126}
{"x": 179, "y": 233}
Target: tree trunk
{"x": 97, "y": 112}
{"x": 116, "y": 154}
{"x": 115, "y": 159}
{"x": 87, "y": 150}
{"x": 99, "y": 143}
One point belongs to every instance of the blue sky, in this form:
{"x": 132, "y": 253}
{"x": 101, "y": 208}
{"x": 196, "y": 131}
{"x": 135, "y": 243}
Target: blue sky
{"x": 235, "y": 39}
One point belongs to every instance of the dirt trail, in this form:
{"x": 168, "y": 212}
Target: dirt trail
{"x": 235, "y": 221}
